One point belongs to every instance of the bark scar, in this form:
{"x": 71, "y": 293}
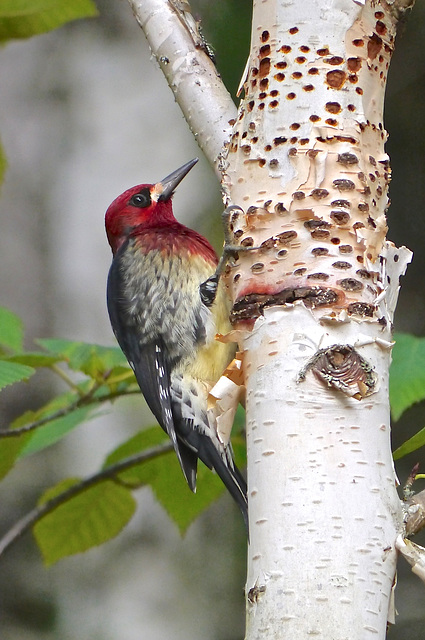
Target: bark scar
{"x": 252, "y": 305}
{"x": 343, "y": 368}
{"x": 255, "y": 593}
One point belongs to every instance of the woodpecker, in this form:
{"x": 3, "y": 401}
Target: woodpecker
{"x": 166, "y": 303}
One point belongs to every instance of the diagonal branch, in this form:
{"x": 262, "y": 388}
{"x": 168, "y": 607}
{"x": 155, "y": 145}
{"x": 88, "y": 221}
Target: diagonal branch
{"x": 198, "y": 89}
{"x": 60, "y": 413}
{"x": 33, "y": 516}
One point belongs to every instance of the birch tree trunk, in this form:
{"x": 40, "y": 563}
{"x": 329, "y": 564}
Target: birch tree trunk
{"x": 314, "y": 300}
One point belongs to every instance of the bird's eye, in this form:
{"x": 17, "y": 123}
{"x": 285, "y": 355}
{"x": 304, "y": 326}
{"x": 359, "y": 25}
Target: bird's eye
{"x": 142, "y": 199}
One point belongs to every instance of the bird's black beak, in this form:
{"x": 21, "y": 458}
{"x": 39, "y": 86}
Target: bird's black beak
{"x": 168, "y": 184}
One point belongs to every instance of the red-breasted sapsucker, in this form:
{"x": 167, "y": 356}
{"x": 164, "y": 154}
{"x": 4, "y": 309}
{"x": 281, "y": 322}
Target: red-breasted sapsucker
{"x": 166, "y": 305}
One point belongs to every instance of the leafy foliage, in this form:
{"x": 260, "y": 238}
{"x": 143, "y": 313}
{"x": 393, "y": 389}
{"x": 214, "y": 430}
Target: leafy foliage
{"x": 26, "y": 18}
{"x": 165, "y": 477}
{"x": 415, "y": 442}
{"x": 76, "y": 515}
{"x": 407, "y": 384}
{"x": 11, "y": 372}
{"x": 89, "y": 519}
{"x": 407, "y": 380}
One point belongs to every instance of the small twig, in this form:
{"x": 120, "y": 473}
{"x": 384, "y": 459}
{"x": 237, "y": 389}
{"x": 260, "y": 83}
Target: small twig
{"x": 80, "y": 402}
{"x": 407, "y": 489}
{"x": 30, "y": 519}
{"x": 65, "y": 377}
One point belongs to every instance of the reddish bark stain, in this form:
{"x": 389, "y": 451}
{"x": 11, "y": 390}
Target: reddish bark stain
{"x": 354, "y": 64}
{"x": 333, "y": 107}
{"x": 264, "y": 67}
{"x": 336, "y": 78}
{"x": 334, "y": 60}
{"x": 380, "y": 28}
{"x": 374, "y": 46}
{"x": 264, "y": 51}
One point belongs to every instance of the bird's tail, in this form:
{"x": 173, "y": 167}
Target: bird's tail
{"x": 232, "y": 478}
{"x": 195, "y": 433}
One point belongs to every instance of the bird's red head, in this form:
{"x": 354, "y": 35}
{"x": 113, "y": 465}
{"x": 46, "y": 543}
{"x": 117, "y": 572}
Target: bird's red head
{"x": 145, "y": 205}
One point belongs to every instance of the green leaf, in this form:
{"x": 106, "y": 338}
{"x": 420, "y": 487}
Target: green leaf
{"x": 165, "y": 477}
{"x": 11, "y": 446}
{"x": 10, "y": 449}
{"x": 174, "y": 495}
{"x": 11, "y": 372}
{"x": 35, "y": 359}
{"x": 415, "y": 442}
{"x": 407, "y": 374}
{"x": 92, "y": 359}
{"x": 25, "y": 18}
{"x": 86, "y": 520}
{"x": 55, "y": 430}
{"x": 142, "y": 441}
{"x": 11, "y": 330}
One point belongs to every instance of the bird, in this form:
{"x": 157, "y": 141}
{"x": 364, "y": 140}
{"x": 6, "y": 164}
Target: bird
{"x": 166, "y": 303}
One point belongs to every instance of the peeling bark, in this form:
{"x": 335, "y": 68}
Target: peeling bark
{"x": 307, "y": 163}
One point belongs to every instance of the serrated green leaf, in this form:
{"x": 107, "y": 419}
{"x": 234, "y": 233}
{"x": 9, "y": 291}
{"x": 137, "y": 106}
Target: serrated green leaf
{"x": 10, "y": 372}
{"x": 86, "y": 520}
{"x": 166, "y": 479}
{"x": 11, "y": 330}
{"x": 407, "y": 373}
{"x": 92, "y": 359}
{"x": 415, "y": 442}
{"x": 26, "y": 18}
{"x": 34, "y": 359}
{"x": 55, "y": 430}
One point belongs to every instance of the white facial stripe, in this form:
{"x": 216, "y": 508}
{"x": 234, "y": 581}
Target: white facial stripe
{"x": 156, "y": 191}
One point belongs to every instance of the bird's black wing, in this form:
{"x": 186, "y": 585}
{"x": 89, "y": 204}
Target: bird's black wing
{"x": 150, "y": 368}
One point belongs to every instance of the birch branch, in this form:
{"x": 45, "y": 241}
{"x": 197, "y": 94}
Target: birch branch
{"x": 206, "y": 104}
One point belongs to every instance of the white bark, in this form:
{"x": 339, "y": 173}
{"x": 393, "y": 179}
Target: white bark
{"x": 307, "y": 162}
{"x": 324, "y": 513}
{"x": 191, "y": 74}
{"x": 313, "y": 312}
